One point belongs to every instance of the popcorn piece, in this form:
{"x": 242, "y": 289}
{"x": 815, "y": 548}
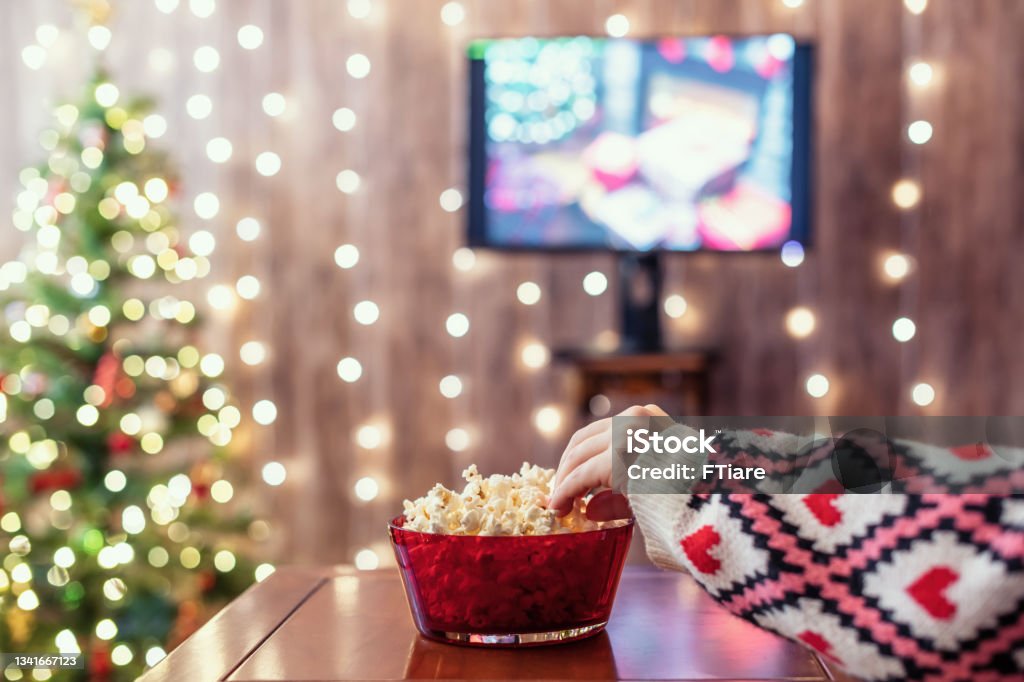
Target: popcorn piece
{"x": 496, "y": 505}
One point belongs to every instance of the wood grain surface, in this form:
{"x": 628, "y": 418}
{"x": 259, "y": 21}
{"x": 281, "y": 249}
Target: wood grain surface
{"x": 408, "y": 146}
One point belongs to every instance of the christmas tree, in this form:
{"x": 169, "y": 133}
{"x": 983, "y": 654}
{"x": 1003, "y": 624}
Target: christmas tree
{"x": 118, "y": 532}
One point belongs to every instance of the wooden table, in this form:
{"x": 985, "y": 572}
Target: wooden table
{"x": 342, "y": 624}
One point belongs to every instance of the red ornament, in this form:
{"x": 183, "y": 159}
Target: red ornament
{"x": 100, "y": 666}
{"x": 105, "y": 376}
{"x": 57, "y": 479}
{"x": 206, "y": 581}
{"x": 120, "y": 444}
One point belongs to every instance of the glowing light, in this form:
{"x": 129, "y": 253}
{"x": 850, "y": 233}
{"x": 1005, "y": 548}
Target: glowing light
{"x": 793, "y": 4}
{"x": 222, "y": 491}
{"x": 367, "y": 560}
{"x": 264, "y": 412}
{"x": 115, "y": 481}
{"x": 106, "y": 629}
{"x": 358, "y": 66}
{"x": 463, "y": 259}
{"x": 248, "y": 229}
{"x": 617, "y": 25}
{"x": 528, "y": 293}
{"x": 47, "y": 34}
{"x": 906, "y": 193}
{"x": 206, "y": 59}
{"x": 903, "y": 329}
{"x": 675, "y": 306}
{"x": 154, "y": 655}
{"x": 896, "y": 266}
{"x": 268, "y": 164}
{"x": 106, "y": 94}
{"x": 800, "y": 322}
{"x": 915, "y": 6}
{"x": 457, "y": 439}
{"x": 219, "y": 149}
{"x": 451, "y": 200}
{"x": 220, "y": 297}
{"x": 121, "y": 655}
{"x": 199, "y": 106}
{"x": 202, "y": 8}
{"x": 452, "y": 13}
{"x": 28, "y": 601}
{"x": 366, "y": 488}
{"x": 248, "y": 287}
{"x": 346, "y": 256}
{"x": 347, "y": 181}
{"x": 366, "y": 312}
{"x": 920, "y": 73}
{"x": 262, "y": 572}
{"x": 919, "y": 132}
{"x": 224, "y": 561}
{"x": 548, "y": 419}
{"x": 595, "y": 283}
{"x": 369, "y": 437}
{"x": 99, "y": 37}
{"x": 274, "y": 473}
{"x": 156, "y": 189}
{"x": 792, "y": 254}
{"x": 923, "y": 394}
{"x": 212, "y": 365}
{"x": 817, "y": 385}
{"x": 252, "y": 353}
{"x": 250, "y": 37}
{"x": 450, "y": 386}
{"x": 359, "y": 9}
{"x": 349, "y": 370}
{"x": 344, "y": 119}
{"x": 535, "y": 355}
{"x": 34, "y": 56}
{"x": 151, "y": 443}
{"x": 457, "y": 325}
{"x": 87, "y": 415}
{"x": 133, "y": 520}
{"x": 64, "y": 557}
{"x": 274, "y": 104}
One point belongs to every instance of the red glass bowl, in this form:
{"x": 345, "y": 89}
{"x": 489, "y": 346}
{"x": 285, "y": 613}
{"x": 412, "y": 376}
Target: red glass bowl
{"x": 511, "y": 590}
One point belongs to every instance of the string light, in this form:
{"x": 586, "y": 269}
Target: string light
{"x": 528, "y": 293}
{"x": 358, "y": 66}
{"x": 344, "y": 119}
{"x": 457, "y": 439}
{"x": 106, "y": 95}
{"x": 219, "y": 149}
{"x": 463, "y": 259}
{"x": 347, "y": 181}
{"x": 915, "y": 6}
{"x": 452, "y": 13}
{"x": 919, "y": 132}
{"x": 263, "y": 571}
{"x": 923, "y": 394}
{"x": 248, "y": 287}
{"x": 220, "y": 297}
{"x": 903, "y": 329}
{"x": 906, "y": 193}
{"x": 595, "y": 283}
{"x": 817, "y": 385}
{"x": 248, "y": 229}
{"x": 359, "y": 9}
{"x": 366, "y": 488}
{"x": 346, "y": 256}
{"x": 268, "y": 164}
{"x": 274, "y": 473}
{"x": 535, "y": 355}
{"x": 792, "y": 254}
{"x": 366, "y": 312}
{"x": 199, "y": 106}
{"x": 800, "y": 322}
{"x": 34, "y": 56}
{"x": 99, "y": 37}
{"x": 252, "y": 353}
{"x": 250, "y": 37}
{"x": 154, "y": 655}
{"x": 896, "y": 266}
{"x": 617, "y": 25}
{"x": 367, "y": 560}
{"x": 274, "y": 104}
{"x": 264, "y": 412}
{"x": 675, "y": 306}
{"x": 793, "y": 4}
{"x": 450, "y": 386}
{"x": 350, "y": 370}
{"x": 457, "y": 325}
{"x": 206, "y": 59}
{"x": 202, "y": 8}
{"x": 920, "y": 73}
{"x": 451, "y": 200}
{"x": 166, "y": 6}
{"x": 369, "y": 437}
{"x": 206, "y": 205}
{"x": 548, "y": 419}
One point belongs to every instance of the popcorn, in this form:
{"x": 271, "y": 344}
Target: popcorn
{"x": 496, "y": 505}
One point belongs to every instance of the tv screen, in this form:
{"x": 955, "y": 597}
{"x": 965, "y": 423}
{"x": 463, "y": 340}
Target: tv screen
{"x": 677, "y": 144}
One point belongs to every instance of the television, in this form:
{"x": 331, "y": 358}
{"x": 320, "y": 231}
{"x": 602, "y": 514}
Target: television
{"x": 674, "y": 144}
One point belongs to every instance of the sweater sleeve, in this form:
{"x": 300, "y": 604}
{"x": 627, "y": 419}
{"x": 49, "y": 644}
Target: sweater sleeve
{"x": 888, "y": 587}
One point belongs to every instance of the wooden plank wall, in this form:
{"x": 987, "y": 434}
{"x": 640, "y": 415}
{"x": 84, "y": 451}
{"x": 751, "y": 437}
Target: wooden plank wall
{"x": 408, "y": 146}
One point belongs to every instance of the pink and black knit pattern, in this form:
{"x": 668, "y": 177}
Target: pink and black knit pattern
{"x": 889, "y": 587}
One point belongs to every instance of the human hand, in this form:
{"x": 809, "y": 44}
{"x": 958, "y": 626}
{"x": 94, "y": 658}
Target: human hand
{"x": 587, "y": 463}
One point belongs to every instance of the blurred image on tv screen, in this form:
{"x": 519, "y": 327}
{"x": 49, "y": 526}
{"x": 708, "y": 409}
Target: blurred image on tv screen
{"x": 676, "y": 144}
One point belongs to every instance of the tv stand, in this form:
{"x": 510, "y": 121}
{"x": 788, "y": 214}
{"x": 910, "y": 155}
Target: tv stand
{"x": 640, "y": 280}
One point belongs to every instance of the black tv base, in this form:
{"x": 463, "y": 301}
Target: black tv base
{"x": 640, "y": 278}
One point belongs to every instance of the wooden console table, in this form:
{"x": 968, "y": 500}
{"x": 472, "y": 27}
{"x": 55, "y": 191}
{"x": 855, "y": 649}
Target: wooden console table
{"x": 679, "y": 379}
{"x": 342, "y": 624}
